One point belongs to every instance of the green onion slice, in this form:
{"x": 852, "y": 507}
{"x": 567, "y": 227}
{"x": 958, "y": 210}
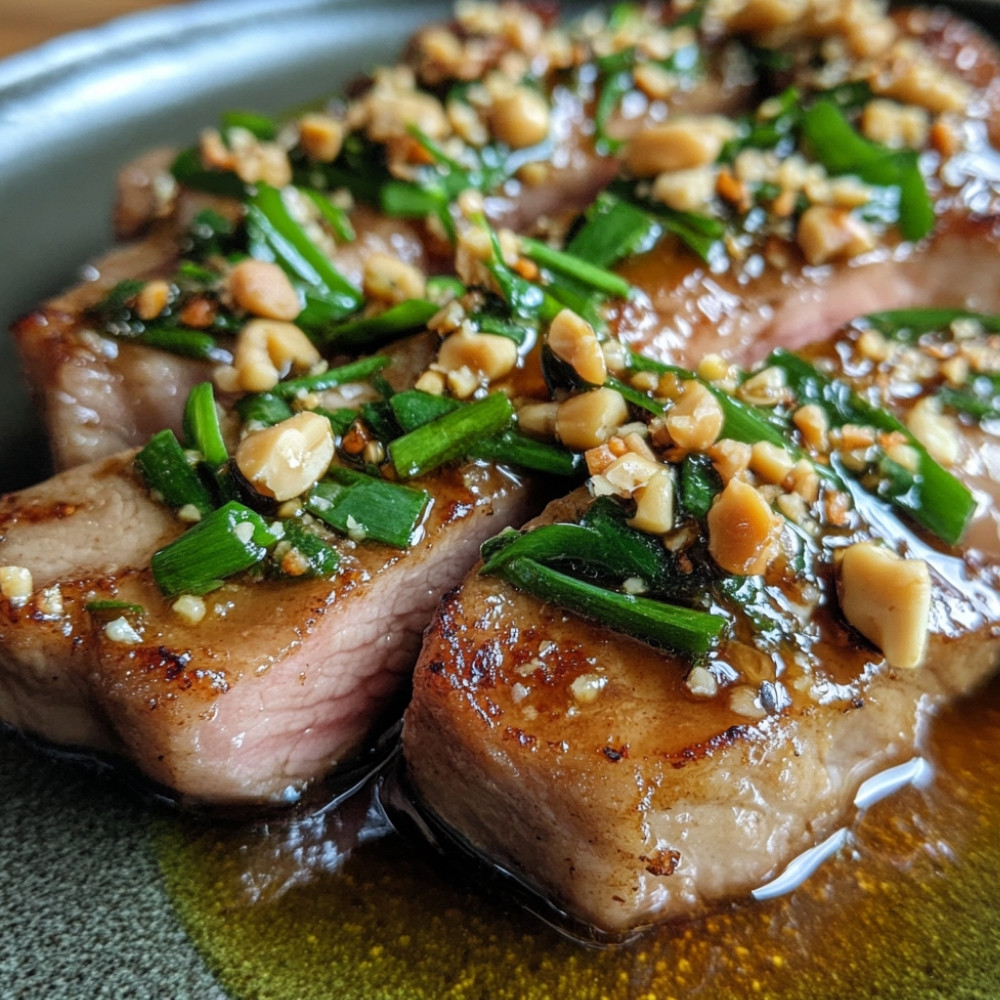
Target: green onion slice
{"x": 356, "y": 371}
{"x": 167, "y": 470}
{"x": 450, "y": 436}
{"x": 667, "y": 625}
{"x": 586, "y": 273}
{"x": 263, "y": 409}
{"x": 931, "y": 496}
{"x": 315, "y": 557}
{"x": 276, "y": 235}
{"x": 366, "y": 507}
{"x": 370, "y": 332}
{"x": 226, "y": 541}
{"x": 842, "y": 150}
{"x": 614, "y": 229}
{"x": 201, "y": 425}
{"x": 909, "y": 325}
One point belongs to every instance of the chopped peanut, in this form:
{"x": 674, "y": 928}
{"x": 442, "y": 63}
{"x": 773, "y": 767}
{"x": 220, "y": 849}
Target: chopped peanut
{"x": 688, "y": 190}
{"x": 812, "y": 423}
{"x": 589, "y": 419}
{"x": 152, "y": 299}
{"x": 391, "y": 280}
{"x": 936, "y": 431}
{"x": 765, "y": 388}
{"x": 538, "y": 419}
{"x": 678, "y": 144}
{"x": 520, "y": 118}
{"x": 805, "y": 480}
{"x": 826, "y": 233}
{"x": 743, "y": 531}
{"x": 730, "y": 458}
{"x": 770, "y": 462}
{"x": 695, "y": 420}
{"x": 654, "y": 504}
{"x": 572, "y": 339}
{"x": 262, "y": 288}
{"x": 321, "y": 137}
{"x": 888, "y": 600}
{"x": 285, "y": 460}
{"x": 266, "y": 348}
{"x": 629, "y": 472}
{"x": 487, "y": 354}
{"x": 190, "y": 607}
{"x": 895, "y": 125}
{"x": 598, "y": 459}
{"x": 701, "y": 683}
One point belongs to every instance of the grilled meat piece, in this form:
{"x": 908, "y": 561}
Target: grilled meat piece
{"x": 279, "y": 683}
{"x": 582, "y": 762}
{"x": 685, "y": 311}
{"x": 99, "y": 395}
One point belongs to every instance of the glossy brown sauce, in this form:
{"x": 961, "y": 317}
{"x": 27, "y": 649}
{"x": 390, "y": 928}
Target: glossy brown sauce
{"x": 334, "y": 905}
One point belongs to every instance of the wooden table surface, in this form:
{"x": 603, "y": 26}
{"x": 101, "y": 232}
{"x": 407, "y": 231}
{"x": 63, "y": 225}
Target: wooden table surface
{"x": 24, "y": 23}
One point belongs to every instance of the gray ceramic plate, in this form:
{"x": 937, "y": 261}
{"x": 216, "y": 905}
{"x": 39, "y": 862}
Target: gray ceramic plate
{"x": 103, "y": 895}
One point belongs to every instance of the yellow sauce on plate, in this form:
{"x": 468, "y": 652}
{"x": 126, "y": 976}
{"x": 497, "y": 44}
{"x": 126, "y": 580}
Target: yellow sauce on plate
{"x": 298, "y": 909}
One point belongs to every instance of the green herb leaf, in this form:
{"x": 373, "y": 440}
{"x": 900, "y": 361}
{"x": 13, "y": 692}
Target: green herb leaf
{"x": 316, "y": 557}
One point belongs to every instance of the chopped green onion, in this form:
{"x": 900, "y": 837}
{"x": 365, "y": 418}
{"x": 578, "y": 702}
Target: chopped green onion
{"x": 109, "y": 607}
{"x": 166, "y": 468}
{"x": 512, "y": 447}
{"x": 413, "y": 408}
{"x": 188, "y": 170}
{"x": 356, "y": 371}
{"x": 179, "y": 340}
{"x": 334, "y": 216}
{"x": 909, "y": 325}
{"x": 261, "y": 126}
{"x": 615, "y": 85}
{"x": 634, "y": 396}
{"x": 842, "y": 150}
{"x": 365, "y": 507}
{"x": 276, "y": 235}
{"x": 443, "y": 287}
{"x": 502, "y": 328}
{"x": 450, "y": 436}
{"x": 614, "y": 229}
{"x": 699, "y": 485}
{"x": 602, "y": 546}
{"x": 340, "y": 419}
{"x": 263, "y": 409}
{"x": 681, "y": 629}
{"x": 934, "y": 498}
{"x": 979, "y": 398}
{"x": 569, "y": 264}
{"x": 373, "y": 331}
{"x": 201, "y": 425}
{"x": 226, "y": 541}
{"x": 315, "y": 556}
